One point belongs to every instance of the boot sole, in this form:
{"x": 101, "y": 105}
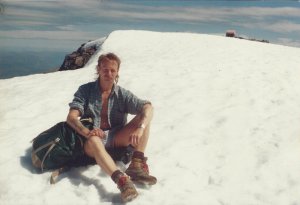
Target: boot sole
{"x": 143, "y": 182}
{"x": 129, "y": 198}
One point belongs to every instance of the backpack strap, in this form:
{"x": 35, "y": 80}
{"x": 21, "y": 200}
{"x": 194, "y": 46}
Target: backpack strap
{"x": 46, "y": 145}
{"x": 51, "y": 144}
{"x": 57, "y": 172}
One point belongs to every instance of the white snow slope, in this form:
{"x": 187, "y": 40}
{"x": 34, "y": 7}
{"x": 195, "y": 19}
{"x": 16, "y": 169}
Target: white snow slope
{"x": 226, "y": 129}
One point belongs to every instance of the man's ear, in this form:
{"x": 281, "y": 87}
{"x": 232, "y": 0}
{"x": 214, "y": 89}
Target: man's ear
{"x": 98, "y": 69}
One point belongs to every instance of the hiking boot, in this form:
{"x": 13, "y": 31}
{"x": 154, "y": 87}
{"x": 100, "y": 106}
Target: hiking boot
{"x": 139, "y": 172}
{"x": 128, "y": 191}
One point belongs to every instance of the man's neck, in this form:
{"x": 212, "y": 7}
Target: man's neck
{"x": 106, "y": 87}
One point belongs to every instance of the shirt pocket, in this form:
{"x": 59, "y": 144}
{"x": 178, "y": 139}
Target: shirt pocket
{"x": 117, "y": 116}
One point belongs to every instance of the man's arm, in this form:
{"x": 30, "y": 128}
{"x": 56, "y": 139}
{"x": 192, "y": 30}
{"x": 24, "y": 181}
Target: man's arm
{"x": 142, "y": 124}
{"x": 74, "y": 122}
{"x": 145, "y": 116}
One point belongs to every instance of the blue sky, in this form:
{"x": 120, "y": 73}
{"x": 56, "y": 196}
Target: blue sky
{"x": 64, "y": 25}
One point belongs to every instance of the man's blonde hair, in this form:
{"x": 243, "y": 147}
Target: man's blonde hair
{"x": 109, "y": 56}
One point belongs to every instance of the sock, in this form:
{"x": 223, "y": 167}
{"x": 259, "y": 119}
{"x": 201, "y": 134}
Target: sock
{"x": 116, "y": 175}
{"x": 138, "y": 154}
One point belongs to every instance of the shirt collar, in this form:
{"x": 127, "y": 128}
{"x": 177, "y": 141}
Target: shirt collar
{"x": 115, "y": 88}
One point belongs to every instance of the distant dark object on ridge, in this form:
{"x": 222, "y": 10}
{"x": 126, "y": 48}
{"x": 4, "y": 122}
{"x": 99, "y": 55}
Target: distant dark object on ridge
{"x": 232, "y": 33}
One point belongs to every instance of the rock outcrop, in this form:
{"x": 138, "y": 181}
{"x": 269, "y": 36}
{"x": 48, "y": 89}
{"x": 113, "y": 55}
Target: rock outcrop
{"x": 79, "y": 58}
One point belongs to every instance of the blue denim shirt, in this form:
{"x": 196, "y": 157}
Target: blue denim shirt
{"x": 121, "y": 102}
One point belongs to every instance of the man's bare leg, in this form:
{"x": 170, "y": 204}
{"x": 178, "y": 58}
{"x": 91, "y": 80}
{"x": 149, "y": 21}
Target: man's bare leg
{"x": 95, "y": 149}
{"x": 138, "y": 168}
{"x": 123, "y": 137}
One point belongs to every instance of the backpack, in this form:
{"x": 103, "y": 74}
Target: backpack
{"x": 60, "y": 147}
{"x": 56, "y": 147}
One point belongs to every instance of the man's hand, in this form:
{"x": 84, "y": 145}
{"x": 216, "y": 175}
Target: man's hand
{"x": 136, "y": 136}
{"x": 96, "y": 132}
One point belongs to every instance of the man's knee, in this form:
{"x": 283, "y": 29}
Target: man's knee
{"x": 92, "y": 145}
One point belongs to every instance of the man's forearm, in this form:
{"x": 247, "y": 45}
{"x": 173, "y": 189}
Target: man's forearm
{"x": 146, "y": 115}
{"x": 78, "y": 126}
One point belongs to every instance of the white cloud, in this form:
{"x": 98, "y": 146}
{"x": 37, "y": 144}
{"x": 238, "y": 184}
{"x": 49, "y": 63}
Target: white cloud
{"x": 55, "y": 3}
{"x": 288, "y": 42}
{"x": 67, "y": 27}
{"x": 284, "y": 27}
{"x": 218, "y": 14}
{"x": 260, "y": 18}
{"x": 267, "y": 11}
{"x": 26, "y": 13}
{"x": 278, "y": 27}
{"x": 164, "y": 14}
{"x": 24, "y": 23}
{"x": 184, "y": 13}
{"x": 52, "y": 35}
{"x": 95, "y": 8}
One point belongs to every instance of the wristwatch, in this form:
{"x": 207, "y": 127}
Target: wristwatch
{"x": 142, "y": 126}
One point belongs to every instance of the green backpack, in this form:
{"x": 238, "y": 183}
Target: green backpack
{"x": 56, "y": 147}
{"x": 61, "y": 147}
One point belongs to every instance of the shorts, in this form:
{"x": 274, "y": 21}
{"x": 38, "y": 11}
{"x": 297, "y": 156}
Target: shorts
{"x": 123, "y": 154}
{"x": 109, "y": 137}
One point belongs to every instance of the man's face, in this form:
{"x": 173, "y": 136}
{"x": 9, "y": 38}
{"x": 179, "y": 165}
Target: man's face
{"x": 108, "y": 70}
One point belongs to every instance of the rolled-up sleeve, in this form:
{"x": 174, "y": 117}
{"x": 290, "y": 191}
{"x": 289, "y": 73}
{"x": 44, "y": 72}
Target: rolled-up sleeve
{"x": 133, "y": 104}
{"x": 79, "y": 100}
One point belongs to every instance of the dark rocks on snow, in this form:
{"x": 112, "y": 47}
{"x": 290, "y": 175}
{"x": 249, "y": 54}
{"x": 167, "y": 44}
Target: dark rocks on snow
{"x": 78, "y": 58}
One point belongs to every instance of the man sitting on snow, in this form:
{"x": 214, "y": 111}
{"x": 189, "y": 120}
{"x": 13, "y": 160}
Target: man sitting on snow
{"x": 108, "y": 105}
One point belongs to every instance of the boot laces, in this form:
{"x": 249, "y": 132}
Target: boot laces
{"x": 145, "y": 166}
{"x": 122, "y": 182}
